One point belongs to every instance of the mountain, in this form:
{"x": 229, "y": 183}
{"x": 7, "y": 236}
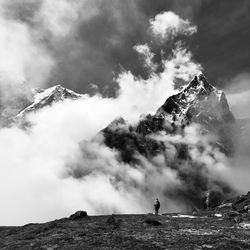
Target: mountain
{"x": 46, "y": 97}
{"x": 199, "y": 102}
{"x": 198, "y": 105}
{"x": 17, "y": 101}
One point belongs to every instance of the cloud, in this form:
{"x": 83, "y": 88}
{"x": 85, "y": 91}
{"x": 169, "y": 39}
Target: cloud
{"x": 32, "y": 34}
{"x": 24, "y": 59}
{"x": 19, "y": 48}
{"x": 157, "y": 87}
{"x": 68, "y": 15}
{"x": 239, "y": 103}
{"x": 28, "y": 45}
{"x": 56, "y": 160}
{"x": 52, "y": 170}
{"x": 81, "y": 34}
{"x": 168, "y": 25}
{"x": 59, "y": 165}
{"x": 238, "y": 95}
{"x": 147, "y": 56}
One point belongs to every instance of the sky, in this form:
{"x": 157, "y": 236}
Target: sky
{"x": 220, "y": 45}
{"x": 91, "y": 41}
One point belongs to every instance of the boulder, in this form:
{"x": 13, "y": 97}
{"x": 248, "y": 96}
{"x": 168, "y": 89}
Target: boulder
{"x": 195, "y": 212}
{"x": 78, "y": 215}
{"x": 232, "y": 214}
{"x": 113, "y": 222}
{"x": 152, "y": 222}
{"x": 240, "y": 204}
{"x": 237, "y": 219}
{"x": 224, "y": 208}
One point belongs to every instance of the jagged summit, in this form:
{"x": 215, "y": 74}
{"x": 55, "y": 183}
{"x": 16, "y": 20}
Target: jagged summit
{"x": 200, "y": 82}
{"x": 199, "y": 101}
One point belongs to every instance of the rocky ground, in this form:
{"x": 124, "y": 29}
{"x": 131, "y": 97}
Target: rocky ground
{"x": 167, "y": 231}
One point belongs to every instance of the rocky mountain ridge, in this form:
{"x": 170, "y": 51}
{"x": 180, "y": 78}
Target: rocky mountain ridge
{"x": 199, "y": 102}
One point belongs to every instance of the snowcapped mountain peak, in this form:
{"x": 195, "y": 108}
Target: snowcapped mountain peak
{"x": 198, "y": 101}
{"x": 58, "y": 92}
{"x": 199, "y": 85}
{"x": 46, "y": 97}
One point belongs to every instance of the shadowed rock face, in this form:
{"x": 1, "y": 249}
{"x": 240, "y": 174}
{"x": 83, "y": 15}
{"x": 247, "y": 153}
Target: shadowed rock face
{"x": 239, "y": 203}
{"x": 128, "y": 141}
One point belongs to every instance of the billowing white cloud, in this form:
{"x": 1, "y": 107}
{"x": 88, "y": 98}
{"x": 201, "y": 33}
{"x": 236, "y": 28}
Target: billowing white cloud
{"x": 168, "y": 25}
{"x": 145, "y": 96}
{"x": 36, "y": 163}
{"x": 26, "y": 45}
{"x": 55, "y": 168}
{"x": 68, "y": 14}
{"x": 147, "y": 56}
{"x": 238, "y": 95}
{"x": 22, "y": 56}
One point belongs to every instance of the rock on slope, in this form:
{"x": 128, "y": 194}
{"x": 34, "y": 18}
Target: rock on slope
{"x": 239, "y": 203}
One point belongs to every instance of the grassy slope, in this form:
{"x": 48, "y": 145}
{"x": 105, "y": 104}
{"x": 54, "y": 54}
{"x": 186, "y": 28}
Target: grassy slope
{"x": 132, "y": 233}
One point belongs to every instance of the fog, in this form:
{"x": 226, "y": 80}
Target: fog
{"x": 54, "y": 168}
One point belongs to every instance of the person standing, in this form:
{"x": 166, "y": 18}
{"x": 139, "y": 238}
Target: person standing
{"x": 157, "y": 205}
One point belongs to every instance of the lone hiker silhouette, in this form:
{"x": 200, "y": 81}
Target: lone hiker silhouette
{"x": 157, "y": 205}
